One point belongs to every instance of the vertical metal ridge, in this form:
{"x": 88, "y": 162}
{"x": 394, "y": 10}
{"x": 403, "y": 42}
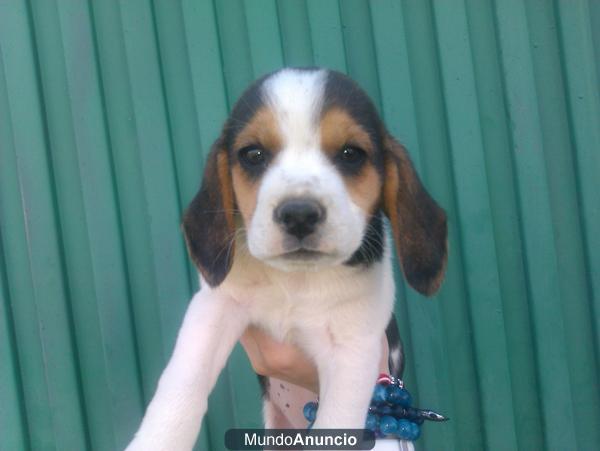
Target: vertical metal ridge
{"x": 527, "y": 142}
{"x": 13, "y": 410}
{"x": 339, "y": 11}
{"x": 394, "y": 77}
{"x": 128, "y": 181}
{"x": 115, "y": 200}
{"x": 163, "y": 84}
{"x": 452, "y": 373}
{"x": 68, "y": 207}
{"x": 102, "y": 317}
{"x": 176, "y": 141}
{"x": 124, "y": 181}
{"x": 81, "y": 424}
{"x": 560, "y": 169}
{"x": 264, "y": 36}
{"x": 228, "y": 101}
{"x": 294, "y": 30}
{"x": 13, "y": 221}
{"x": 504, "y": 223}
{"x": 13, "y": 419}
{"x": 521, "y": 228}
{"x": 465, "y": 143}
{"x": 326, "y": 34}
{"x": 519, "y": 206}
{"x": 237, "y": 65}
{"x": 581, "y": 80}
{"x": 358, "y": 35}
{"x": 135, "y": 53}
{"x": 457, "y": 318}
{"x": 581, "y": 102}
{"x": 150, "y": 157}
{"x": 279, "y": 33}
{"x": 454, "y": 217}
{"x": 370, "y": 26}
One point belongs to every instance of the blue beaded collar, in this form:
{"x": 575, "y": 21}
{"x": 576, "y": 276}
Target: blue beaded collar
{"x": 390, "y": 413}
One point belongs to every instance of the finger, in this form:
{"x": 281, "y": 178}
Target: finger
{"x": 384, "y": 365}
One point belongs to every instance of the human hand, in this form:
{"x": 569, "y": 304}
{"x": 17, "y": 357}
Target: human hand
{"x": 288, "y": 362}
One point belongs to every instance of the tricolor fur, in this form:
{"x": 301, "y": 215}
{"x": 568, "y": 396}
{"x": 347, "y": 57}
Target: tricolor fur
{"x": 287, "y": 232}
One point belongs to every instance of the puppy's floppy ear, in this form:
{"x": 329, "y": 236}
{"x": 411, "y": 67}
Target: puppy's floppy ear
{"x": 418, "y": 223}
{"x": 208, "y": 223}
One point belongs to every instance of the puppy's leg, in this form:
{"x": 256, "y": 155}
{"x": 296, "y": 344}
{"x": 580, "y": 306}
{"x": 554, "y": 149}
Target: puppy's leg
{"x": 346, "y": 382}
{"x": 393, "y": 445}
{"x": 347, "y": 374}
{"x": 212, "y": 325}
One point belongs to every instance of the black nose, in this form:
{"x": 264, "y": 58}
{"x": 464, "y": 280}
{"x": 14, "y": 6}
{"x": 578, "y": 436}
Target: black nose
{"x": 299, "y": 217}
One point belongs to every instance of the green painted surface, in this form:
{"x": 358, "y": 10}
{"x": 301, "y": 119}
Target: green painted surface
{"x": 107, "y": 108}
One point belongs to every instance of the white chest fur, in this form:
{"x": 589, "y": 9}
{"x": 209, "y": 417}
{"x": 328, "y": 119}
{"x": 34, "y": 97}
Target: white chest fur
{"x": 337, "y": 315}
{"x": 292, "y": 306}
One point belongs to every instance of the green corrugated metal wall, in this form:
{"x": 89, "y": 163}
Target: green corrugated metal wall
{"x": 107, "y": 108}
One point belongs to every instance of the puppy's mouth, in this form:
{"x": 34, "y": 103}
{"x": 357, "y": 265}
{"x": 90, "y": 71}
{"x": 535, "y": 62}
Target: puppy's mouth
{"x": 303, "y": 255}
{"x": 302, "y": 259}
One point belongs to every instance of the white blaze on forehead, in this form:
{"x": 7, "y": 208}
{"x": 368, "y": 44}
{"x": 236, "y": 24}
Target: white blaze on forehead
{"x": 302, "y": 169}
{"x": 296, "y": 96}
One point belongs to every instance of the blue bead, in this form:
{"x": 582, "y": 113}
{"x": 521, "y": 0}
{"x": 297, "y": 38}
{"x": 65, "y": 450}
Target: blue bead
{"x": 379, "y": 394}
{"x": 407, "y": 430}
{"x": 371, "y": 423}
{"x": 415, "y": 431}
{"x": 405, "y": 398}
{"x": 388, "y": 425}
{"x": 404, "y": 430}
{"x": 310, "y": 411}
{"x": 398, "y": 396}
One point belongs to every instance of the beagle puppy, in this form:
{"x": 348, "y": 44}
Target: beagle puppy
{"x": 288, "y": 234}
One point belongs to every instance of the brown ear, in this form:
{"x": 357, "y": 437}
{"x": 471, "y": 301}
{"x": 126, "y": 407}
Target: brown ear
{"x": 208, "y": 223}
{"x": 418, "y": 223}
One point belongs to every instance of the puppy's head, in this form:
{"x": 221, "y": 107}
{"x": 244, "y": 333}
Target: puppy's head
{"x": 303, "y": 168}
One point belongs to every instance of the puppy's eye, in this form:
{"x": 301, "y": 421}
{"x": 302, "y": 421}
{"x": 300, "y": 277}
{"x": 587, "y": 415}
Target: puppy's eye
{"x": 351, "y": 156}
{"x": 253, "y": 157}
